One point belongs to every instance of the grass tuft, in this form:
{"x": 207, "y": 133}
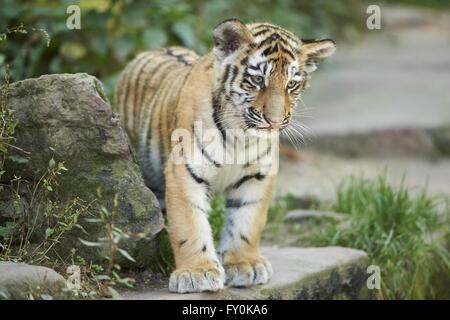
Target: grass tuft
{"x": 399, "y": 231}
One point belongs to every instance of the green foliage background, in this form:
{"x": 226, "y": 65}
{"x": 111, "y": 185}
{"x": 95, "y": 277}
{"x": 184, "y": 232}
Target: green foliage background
{"x": 112, "y": 32}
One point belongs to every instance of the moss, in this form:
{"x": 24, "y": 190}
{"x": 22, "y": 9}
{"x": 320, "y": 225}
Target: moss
{"x": 100, "y": 90}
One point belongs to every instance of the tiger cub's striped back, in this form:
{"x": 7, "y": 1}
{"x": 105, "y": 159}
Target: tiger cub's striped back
{"x": 146, "y": 98}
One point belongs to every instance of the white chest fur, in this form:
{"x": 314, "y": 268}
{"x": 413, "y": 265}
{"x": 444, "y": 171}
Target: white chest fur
{"x": 233, "y": 160}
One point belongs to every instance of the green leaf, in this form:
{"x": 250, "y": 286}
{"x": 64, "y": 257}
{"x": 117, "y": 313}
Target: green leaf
{"x": 126, "y": 255}
{"x": 90, "y": 244}
{"x": 51, "y": 163}
{"x": 93, "y": 220}
{"x": 126, "y": 281}
{"x": 48, "y": 232}
{"x": 114, "y": 294}
{"x": 8, "y": 229}
{"x": 18, "y": 159}
{"x": 102, "y": 277}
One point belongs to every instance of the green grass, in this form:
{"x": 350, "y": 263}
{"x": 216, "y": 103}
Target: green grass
{"x": 433, "y": 4}
{"x": 398, "y": 230}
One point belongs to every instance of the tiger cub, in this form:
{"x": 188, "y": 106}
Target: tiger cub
{"x": 209, "y": 125}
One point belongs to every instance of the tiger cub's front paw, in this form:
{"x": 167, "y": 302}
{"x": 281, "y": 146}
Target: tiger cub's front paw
{"x": 196, "y": 280}
{"x": 248, "y": 273}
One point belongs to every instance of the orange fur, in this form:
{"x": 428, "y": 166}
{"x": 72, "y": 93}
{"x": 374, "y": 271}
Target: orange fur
{"x": 250, "y": 82}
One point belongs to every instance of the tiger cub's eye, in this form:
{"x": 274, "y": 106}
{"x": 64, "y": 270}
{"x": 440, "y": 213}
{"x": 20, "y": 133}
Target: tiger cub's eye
{"x": 291, "y": 84}
{"x": 258, "y": 80}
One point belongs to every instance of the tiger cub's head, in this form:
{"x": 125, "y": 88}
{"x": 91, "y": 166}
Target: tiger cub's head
{"x": 262, "y": 70}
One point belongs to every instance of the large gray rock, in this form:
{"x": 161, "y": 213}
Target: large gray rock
{"x": 299, "y": 274}
{"x": 20, "y": 280}
{"x": 67, "y": 116}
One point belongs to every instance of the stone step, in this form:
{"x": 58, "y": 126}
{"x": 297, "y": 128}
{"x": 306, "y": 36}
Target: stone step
{"x": 300, "y": 215}
{"x": 390, "y": 142}
{"x": 299, "y": 273}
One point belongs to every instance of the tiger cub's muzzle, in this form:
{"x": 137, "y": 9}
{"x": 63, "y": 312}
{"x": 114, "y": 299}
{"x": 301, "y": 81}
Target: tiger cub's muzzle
{"x": 257, "y": 119}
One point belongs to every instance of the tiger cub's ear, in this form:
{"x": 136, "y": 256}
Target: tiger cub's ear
{"x": 229, "y": 36}
{"x": 314, "y": 51}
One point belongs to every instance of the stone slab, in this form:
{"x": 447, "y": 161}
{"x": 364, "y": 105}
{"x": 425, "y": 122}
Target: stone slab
{"x": 299, "y": 273}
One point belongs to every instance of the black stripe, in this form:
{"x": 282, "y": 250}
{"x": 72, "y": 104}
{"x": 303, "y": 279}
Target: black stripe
{"x": 238, "y": 203}
{"x": 152, "y": 101}
{"x": 196, "y": 206}
{"x": 258, "y": 176}
{"x": 204, "y": 152}
{"x": 261, "y": 32}
{"x": 262, "y": 154}
{"x": 235, "y": 73}
{"x": 288, "y": 52}
{"x": 266, "y": 65}
{"x": 245, "y": 80}
{"x": 217, "y": 120}
{"x": 194, "y": 176}
{"x": 226, "y": 74}
{"x": 269, "y": 50}
{"x": 138, "y": 81}
{"x": 281, "y": 30}
{"x": 162, "y": 96}
{"x": 244, "y": 238}
{"x": 272, "y": 37}
{"x": 182, "y": 242}
{"x": 179, "y": 57}
{"x": 161, "y": 148}
{"x": 149, "y": 79}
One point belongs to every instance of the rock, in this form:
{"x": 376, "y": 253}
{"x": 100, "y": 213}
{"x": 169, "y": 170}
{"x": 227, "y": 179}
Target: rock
{"x": 299, "y": 273}
{"x": 67, "y": 116}
{"x": 19, "y": 280}
{"x": 301, "y": 215}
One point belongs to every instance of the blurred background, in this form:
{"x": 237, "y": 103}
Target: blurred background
{"x": 383, "y": 95}
{"x": 393, "y": 77}
{"x": 113, "y": 32}
{"x": 379, "y": 107}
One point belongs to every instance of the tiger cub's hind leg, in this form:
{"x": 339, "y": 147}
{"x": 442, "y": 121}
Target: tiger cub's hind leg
{"x": 197, "y": 266}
